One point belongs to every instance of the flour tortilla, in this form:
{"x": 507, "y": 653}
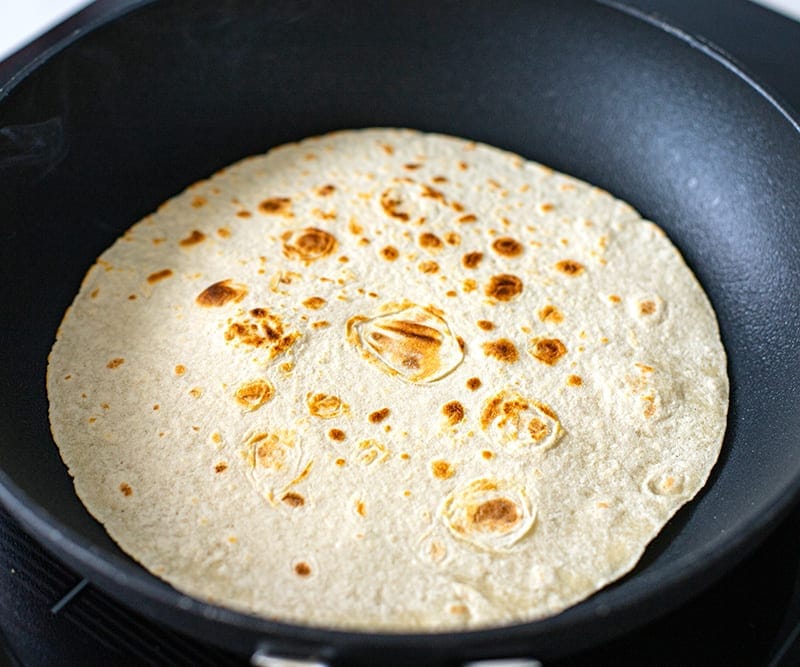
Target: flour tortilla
{"x": 386, "y": 380}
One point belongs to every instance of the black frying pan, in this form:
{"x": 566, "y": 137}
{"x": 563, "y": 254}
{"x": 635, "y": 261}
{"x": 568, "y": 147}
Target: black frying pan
{"x": 98, "y": 134}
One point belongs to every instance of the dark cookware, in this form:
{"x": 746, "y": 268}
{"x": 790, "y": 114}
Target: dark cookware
{"x": 116, "y": 119}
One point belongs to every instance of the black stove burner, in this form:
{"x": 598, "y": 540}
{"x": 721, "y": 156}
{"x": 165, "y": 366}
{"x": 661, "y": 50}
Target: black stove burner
{"x": 51, "y": 616}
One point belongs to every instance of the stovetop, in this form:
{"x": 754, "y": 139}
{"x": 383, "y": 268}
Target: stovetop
{"x": 51, "y": 616}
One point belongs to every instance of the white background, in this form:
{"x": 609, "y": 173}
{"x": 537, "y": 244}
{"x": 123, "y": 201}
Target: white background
{"x": 21, "y": 21}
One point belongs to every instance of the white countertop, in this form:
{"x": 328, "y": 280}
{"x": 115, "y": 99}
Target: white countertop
{"x": 22, "y": 21}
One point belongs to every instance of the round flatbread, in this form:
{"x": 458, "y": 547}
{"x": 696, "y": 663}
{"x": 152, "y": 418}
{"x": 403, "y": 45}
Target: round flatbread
{"x": 388, "y": 380}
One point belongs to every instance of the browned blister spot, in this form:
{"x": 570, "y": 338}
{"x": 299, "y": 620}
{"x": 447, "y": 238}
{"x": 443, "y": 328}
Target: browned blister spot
{"x": 570, "y": 267}
{"x": 326, "y": 190}
{"x": 293, "y": 499}
{"x": 336, "y": 434}
{"x": 488, "y": 454}
{"x": 193, "y": 239}
{"x": 547, "y": 350}
{"x": 220, "y": 293}
{"x": 507, "y": 247}
{"x": 314, "y": 302}
{"x": 220, "y": 467}
{"x": 486, "y": 325}
{"x": 574, "y": 380}
{"x": 389, "y": 253}
{"x": 244, "y": 214}
{"x": 412, "y": 166}
{"x": 503, "y": 287}
{"x": 276, "y": 206}
{"x": 326, "y": 406}
{"x": 452, "y": 238}
{"x": 379, "y": 415}
{"x": 308, "y": 245}
{"x": 428, "y": 266}
{"x": 613, "y": 298}
{"x": 472, "y": 259}
{"x": 198, "y": 201}
{"x": 253, "y": 394}
{"x": 391, "y": 203}
{"x": 454, "y": 411}
{"x": 430, "y": 242}
{"x": 469, "y": 285}
{"x": 502, "y": 350}
{"x": 125, "y": 489}
{"x": 180, "y": 369}
{"x": 302, "y": 569}
{"x": 474, "y": 383}
{"x": 442, "y": 469}
{"x": 647, "y": 307}
{"x": 550, "y": 313}
{"x": 262, "y": 329}
{"x": 498, "y": 514}
{"x": 153, "y": 278}
{"x": 115, "y": 363}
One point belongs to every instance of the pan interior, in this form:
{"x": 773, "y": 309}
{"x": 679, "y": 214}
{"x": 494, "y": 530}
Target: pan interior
{"x": 106, "y": 129}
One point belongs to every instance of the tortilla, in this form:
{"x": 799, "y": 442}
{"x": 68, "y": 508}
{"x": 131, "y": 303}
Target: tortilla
{"x": 389, "y": 381}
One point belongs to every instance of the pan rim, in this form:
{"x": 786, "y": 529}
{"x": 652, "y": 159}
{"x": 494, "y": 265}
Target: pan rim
{"x": 730, "y": 547}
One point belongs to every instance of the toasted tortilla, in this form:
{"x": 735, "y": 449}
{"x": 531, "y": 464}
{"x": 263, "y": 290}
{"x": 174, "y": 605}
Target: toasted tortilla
{"x": 389, "y": 381}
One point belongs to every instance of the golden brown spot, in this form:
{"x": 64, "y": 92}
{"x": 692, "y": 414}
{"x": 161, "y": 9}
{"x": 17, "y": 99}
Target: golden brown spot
{"x": 647, "y": 307}
{"x": 486, "y": 325}
{"x": 428, "y": 266}
{"x": 193, "y": 239}
{"x": 442, "y": 469}
{"x": 570, "y": 267}
{"x": 218, "y": 294}
{"x": 613, "y": 298}
{"x": 474, "y": 383}
{"x": 507, "y": 247}
{"x": 412, "y": 166}
{"x": 361, "y": 509}
{"x": 325, "y": 406}
{"x": 276, "y": 206}
{"x": 252, "y": 395}
{"x": 546, "y": 207}
{"x": 495, "y": 514}
{"x": 488, "y": 454}
{"x": 131, "y": 297}
{"x": 649, "y": 409}
{"x": 538, "y": 429}
{"x": 387, "y": 148}
{"x": 180, "y": 369}
{"x": 198, "y": 201}
{"x": 379, "y": 415}
{"x": 391, "y": 203}
{"x": 469, "y": 285}
{"x": 463, "y": 166}
{"x": 336, "y": 434}
{"x": 156, "y": 407}
{"x": 390, "y": 253}
{"x": 308, "y": 245}
{"x": 320, "y": 324}
{"x": 326, "y": 190}
{"x": 574, "y": 380}
{"x": 551, "y": 314}
{"x": 454, "y": 412}
{"x": 314, "y": 302}
{"x": 469, "y": 217}
{"x": 265, "y": 329}
{"x": 244, "y": 214}
{"x": 195, "y": 392}
{"x": 471, "y": 260}
{"x": 126, "y": 489}
{"x": 433, "y": 193}
{"x": 503, "y": 287}
{"x": 502, "y": 350}
{"x": 405, "y": 456}
{"x": 220, "y": 467}
{"x": 430, "y": 241}
{"x": 95, "y": 292}
{"x": 457, "y": 207}
{"x": 548, "y": 350}
{"x": 302, "y": 569}
{"x": 340, "y": 462}
{"x": 452, "y": 238}
{"x": 153, "y": 278}
{"x": 293, "y": 499}
{"x": 115, "y": 363}
{"x": 216, "y": 437}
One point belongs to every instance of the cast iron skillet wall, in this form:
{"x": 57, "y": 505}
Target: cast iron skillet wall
{"x": 126, "y": 116}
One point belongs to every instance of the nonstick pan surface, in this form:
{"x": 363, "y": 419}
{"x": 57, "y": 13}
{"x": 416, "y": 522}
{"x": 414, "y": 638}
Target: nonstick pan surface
{"x": 98, "y": 133}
